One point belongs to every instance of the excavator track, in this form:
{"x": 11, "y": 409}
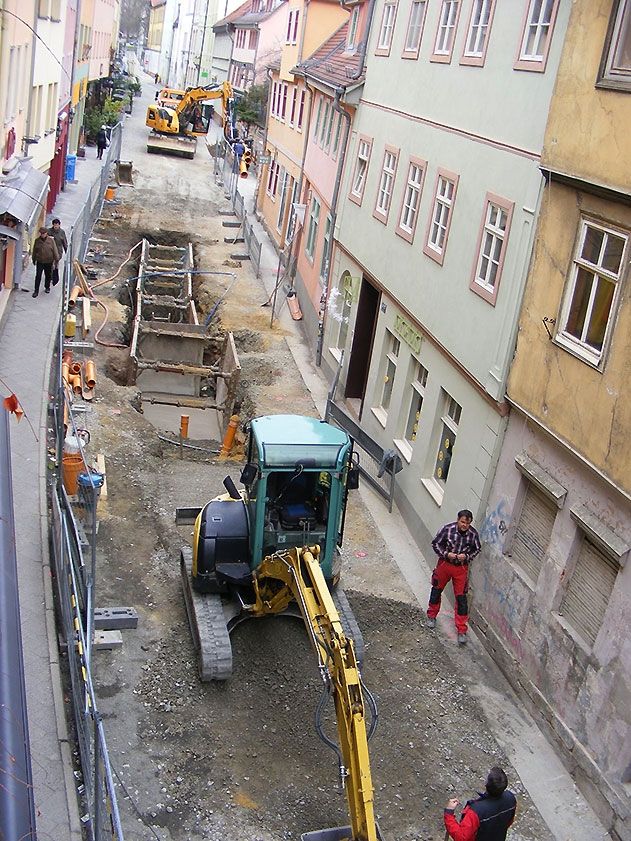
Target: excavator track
{"x": 349, "y": 623}
{"x": 208, "y": 626}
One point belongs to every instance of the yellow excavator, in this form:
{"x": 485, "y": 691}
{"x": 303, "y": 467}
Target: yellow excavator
{"x": 273, "y": 549}
{"x": 176, "y": 128}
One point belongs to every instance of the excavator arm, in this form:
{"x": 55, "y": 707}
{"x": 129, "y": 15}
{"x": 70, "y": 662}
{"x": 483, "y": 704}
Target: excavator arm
{"x": 296, "y": 575}
{"x": 195, "y": 96}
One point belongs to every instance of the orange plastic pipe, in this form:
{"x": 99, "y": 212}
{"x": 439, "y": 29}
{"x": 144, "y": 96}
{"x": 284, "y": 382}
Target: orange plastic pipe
{"x": 184, "y": 419}
{"x": 75, "y": 369}
{"x": 228, "y": 439}
{"x": 90, "y": 374}
{"x": 65, "y": 371}
{"x": 74, "y": 294}
{"x": 75, "y": 382}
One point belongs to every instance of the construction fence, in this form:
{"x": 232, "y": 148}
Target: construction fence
{"x": 226, "y": 173}
{"x": 75, "y": 491}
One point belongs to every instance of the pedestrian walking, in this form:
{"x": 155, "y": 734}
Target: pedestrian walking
{"x": 156, "y": 78}
{"x": 488, "y": 817}
{"x": 61, "y": 241}
{"x": 238, "y": 149}
{"x": 101, "y": 142}
{"x": 456, "y": 545}
{"x": 45, "y": 256}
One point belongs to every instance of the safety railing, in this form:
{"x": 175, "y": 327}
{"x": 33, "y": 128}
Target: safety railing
{"x": 253, "y": 245}
{"x": 74, "y": 500}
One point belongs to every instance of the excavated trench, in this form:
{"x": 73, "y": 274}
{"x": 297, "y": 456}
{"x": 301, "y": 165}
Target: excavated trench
{"x": 242, "y": 760}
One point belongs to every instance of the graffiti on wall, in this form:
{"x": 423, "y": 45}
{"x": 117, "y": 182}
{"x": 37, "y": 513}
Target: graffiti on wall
{"x": 495, "y": 525}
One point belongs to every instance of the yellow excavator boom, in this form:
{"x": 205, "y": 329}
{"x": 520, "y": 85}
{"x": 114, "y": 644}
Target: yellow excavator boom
{"x": 300, "y": 573}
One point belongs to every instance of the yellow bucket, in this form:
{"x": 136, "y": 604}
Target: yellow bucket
{"x": 71, "y": 326}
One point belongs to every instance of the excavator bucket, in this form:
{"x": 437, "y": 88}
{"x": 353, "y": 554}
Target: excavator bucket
{"x": 124, "y": 173}
{"x": 334, "y": 833}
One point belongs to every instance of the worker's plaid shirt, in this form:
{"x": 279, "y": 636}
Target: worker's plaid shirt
{"x": 450, "y": 539}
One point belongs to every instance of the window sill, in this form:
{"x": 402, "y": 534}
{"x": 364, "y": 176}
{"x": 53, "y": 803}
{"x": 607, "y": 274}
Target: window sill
{"x": 579, "y": 351}
{"x": 381, "y": 415}
{"x": 575, "y": 637}
{"x": 336, "y": 353}
{"x": 404, "y": 448}
{"x": 436, "y": 491}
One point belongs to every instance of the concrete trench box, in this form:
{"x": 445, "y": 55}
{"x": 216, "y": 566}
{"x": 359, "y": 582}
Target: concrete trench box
{"x": 168, "y": 345}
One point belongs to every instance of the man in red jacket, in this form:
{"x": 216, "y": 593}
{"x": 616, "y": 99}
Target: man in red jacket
{"x": 488, "y": 817}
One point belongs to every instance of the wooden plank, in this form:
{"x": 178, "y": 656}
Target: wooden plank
{"x": 86, "y": 321}
{"x": 100, "y": 466}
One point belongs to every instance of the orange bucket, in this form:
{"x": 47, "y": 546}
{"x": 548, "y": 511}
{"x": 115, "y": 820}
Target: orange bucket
{"x": 71, "y": 465}
{"x": 110, "y": 193}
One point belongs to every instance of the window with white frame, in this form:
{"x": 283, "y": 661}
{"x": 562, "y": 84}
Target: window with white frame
{"x": 537, "y": 34}
{"x": 340, "y": 311}
{"x": 283, "y": 199}
{"x": 253, "y": 38}
{"x": 615, "y": 68}
{"x": 446, "y": 32}
{"x": 301, "y": 110}
{"x": 324, "y": 262}
{"x": 329, "y": 129}
{"x": 386, "y": 184}
{"x": 449, "y": 432}
{"x": 326, "y": 116}
{"x": 294, "y": 101}
{"x": 411, "y": 200}
{"x": 411, "y": 420}
{"x": 388, "y": 370}
{"x": 587, "y": 312}
{"x": 316, "y": 127}
{"x": 292, "y": 26}
{"x": 274, "y": 100}
{"x": 272, "y": 179}
{"x": 440, "y": 220}
{"x": 312, "y": 231}
{"x": 361, "y": 168}
{"x": 477, "y": 38}
{"x": 384, "y": 39}
{"x": 415, "y": 27}
{"x": 352, "y": 29}
{"x": 492, "y": 247}
{"x": 283, "y": 100}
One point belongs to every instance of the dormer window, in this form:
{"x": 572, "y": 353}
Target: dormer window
{"x": 351, "y": 41}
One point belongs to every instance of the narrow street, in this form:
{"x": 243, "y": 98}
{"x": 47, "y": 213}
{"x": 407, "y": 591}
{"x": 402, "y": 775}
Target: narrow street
{"x": 243, "y": 760}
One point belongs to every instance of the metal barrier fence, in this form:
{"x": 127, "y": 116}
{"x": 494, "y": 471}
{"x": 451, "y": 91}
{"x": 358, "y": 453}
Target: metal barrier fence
{"x": 230, "y": 179}
{"x": 85, "y": 221}
{"x": 74, "y": 501}
{"x": 254, "y": 246}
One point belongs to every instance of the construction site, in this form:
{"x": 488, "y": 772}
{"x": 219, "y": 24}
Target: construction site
{"x": 182, "y": 338}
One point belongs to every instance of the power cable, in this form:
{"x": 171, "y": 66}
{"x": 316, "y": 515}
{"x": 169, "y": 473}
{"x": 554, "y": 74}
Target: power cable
{"x": 28, "y": 26}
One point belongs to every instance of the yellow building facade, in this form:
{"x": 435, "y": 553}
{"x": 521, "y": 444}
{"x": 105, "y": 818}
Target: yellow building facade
{"x": 553, "y": 589}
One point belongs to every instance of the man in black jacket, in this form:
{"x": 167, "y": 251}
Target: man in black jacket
{"x": 488, "y": 817}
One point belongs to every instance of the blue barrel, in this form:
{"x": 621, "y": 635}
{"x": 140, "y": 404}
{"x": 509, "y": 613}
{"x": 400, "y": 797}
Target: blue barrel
{"x": 90, "y": 480}
{"x": 71, "y": 165}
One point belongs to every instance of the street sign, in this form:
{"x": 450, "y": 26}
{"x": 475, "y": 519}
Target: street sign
{"x": 265, "y": 159}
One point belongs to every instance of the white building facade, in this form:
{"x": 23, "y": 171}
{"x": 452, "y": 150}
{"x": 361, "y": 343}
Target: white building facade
{"x": 434, "y": 238}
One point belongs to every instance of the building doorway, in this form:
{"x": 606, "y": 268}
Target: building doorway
{"x": 363, "y": 337}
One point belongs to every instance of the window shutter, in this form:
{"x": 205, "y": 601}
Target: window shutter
{"x": 534, "y": 530}
{"x": 589, "y": 591}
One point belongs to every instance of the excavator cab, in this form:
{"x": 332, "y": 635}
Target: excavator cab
{"x": 272, "y": 548}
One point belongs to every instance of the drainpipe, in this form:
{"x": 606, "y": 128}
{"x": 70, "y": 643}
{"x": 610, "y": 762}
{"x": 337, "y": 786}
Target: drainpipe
{"x": 27, "y": 138}
{"x": 292, "y": 273}
{"x": 364, "y": 44}
{"x": 201, "y": 52}
{"x": 334, "y": 201}
{"x": 73, "y": 75}
{"x": 268, "y": 73}
{"x": 303, "y": 29}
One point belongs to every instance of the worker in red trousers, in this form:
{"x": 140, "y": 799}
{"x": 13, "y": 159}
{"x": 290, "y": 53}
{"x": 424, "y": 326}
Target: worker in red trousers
{"x": 456, "y": 545}
{"x": 488, "y": 817}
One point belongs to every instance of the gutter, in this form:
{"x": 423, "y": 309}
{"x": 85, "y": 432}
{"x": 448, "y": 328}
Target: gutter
{"x": 334, "y": 202}
{"x": 364, "y": 45}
